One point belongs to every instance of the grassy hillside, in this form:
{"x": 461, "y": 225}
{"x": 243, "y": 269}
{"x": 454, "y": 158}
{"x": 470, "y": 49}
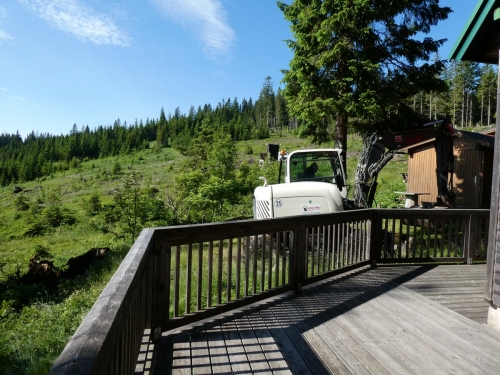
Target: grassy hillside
{"x": 37, "y": 320}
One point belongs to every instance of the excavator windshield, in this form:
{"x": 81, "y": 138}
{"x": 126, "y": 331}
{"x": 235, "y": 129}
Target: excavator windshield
{"x": 314, "y": 165}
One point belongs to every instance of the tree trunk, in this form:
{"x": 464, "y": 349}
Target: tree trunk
{"x": 435, "y": 110}
{"x": 482, "y": 107}
{"x": 455, "y": 120}
{"x": 470, "y": 110}
{"x": 489, "y": 105}
{"x": 430, "y": 106}
{"x": 463, "y": 104}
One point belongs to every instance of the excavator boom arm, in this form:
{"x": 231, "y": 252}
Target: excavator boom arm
{"x": 380, "y": 147}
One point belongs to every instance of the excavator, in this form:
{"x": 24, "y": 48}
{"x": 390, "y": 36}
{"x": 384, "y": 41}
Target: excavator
{"x": 315, "y": 181}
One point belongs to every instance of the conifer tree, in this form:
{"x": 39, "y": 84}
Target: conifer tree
{"x": 265, "y": 107}
{"x": 281, "y": 110}
{"x": 487, "y": 94}
{"x": 359, "y": 59}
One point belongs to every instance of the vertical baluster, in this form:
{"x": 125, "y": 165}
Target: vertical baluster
{"x": 414, "y": 241}
{"x": 210, "y": 273}
{"x": 199, "y": 304}
{"x": 385, "y": 253}
{"x": 229, "y": 268}
{"x": 443, "y": 237}
{"x": 263, "y": 265}
{"x": 255, "y": 255}
{"x": 328, "y": 247}
{"x": 407, "y": 240}
{"x": 352, "y": 242}
{"x": 448, "y": 252}
{"x": 247, "y": 264}
{"x": 456, "y": 245}
{"x": 427, "y": 237}
{"x": 435, "y": 232}
{"x": 317, "y": 249}
{"x": 270, "y": 262}
{"x": 365, "y": 246}
{"x": 188, "y": 278}
{"x": 342, "y": 244}
{"x": 309, "y": 256}
{"x": 277, "y": 262}
{"x": 238, "y": 268}
{"x": 358, "y": 241}
{"x": 400, "y": 235}
{"x": 337, "y": 235}
{"x": 219, "y": 271}
{"x": 177, "y": 280}
{"x": 286, "y": 247}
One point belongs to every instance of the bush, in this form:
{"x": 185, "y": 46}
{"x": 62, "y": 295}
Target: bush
{"x": 21, "y": 202}
{"x": 117, "y": 169}
{"x": 93, "y": 205}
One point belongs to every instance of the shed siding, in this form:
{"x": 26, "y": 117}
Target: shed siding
{"x": 470, "y": 180}
{"x": 422, "y": 172}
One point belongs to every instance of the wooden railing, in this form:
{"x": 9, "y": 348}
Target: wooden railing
{"x": 438, "y": 235}
{"x": 179, "y": 275}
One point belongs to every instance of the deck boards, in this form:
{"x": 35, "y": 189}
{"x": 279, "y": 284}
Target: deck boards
{"x": 389, "y": 320}
{"x": 461, "y": 290}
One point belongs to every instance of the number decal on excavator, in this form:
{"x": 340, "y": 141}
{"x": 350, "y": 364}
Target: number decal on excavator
{"x": 278, "y": 203}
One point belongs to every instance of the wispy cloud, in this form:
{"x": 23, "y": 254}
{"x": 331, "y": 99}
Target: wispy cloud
{"x": 206, "y": 18}
{"x": 74, "y": 17}
{"x": 4, "y": 35}
{"x": 11, "y": 100}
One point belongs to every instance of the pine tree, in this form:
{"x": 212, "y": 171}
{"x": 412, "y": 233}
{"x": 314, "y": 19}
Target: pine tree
{"x": 265, "y": 107}
{"x": 487, "y": 93}
{"x": 358, "y": 59}
{"x": 282, "y": 117}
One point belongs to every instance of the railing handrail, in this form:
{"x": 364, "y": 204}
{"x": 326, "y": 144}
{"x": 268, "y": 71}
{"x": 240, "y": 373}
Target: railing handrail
{"x": 97, "y": 337}
{"x": 126, "y": 307}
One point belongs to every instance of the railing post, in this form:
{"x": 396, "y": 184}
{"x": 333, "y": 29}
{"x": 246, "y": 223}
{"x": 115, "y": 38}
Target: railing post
{"x": 161, "y": 288}
{"x": 470, "y": 240}
{"x": 297, "y": 261}
{"x": 374, "y": 242}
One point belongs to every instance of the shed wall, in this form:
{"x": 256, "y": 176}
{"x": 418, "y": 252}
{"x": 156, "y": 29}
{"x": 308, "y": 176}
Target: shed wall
{"x": 422, "y": 172}
{"x": 471, "y": 180}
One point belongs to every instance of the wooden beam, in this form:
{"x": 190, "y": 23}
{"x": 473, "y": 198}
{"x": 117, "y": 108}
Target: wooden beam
{"x": 494, "y": 206}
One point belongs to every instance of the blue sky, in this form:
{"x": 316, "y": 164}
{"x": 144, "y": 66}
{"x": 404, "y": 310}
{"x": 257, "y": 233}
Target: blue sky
{"x": 90, "y": 62}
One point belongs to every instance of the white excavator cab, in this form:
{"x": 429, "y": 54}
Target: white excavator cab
{"x": 314, "y": 183}
{"x": 323, "y": 165}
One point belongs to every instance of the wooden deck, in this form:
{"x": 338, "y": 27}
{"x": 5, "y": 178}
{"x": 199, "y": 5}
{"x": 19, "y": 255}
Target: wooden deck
{"x": 389, "y": 320}
{"x": 462, "y": 291}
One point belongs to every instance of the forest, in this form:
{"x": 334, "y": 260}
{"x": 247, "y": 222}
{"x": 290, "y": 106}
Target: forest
{"x": 469, "y": 100}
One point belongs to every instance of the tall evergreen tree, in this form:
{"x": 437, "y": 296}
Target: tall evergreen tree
{"x": 282, "y": 117}
{"x": 359, "y": 59}
{"x": 487, "y": 94}
{"x": 464, "y": 86}
{"x": 265, "y": 107}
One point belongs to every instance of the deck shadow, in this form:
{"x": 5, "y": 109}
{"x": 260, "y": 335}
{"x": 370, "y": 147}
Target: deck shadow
{"x": 283, "y": 320}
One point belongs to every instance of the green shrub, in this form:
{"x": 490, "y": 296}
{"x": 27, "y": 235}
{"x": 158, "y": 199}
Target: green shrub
{"x": 117, "y": 169}
{"x": 21, "y": 202}
{"x": 93, "y": 205}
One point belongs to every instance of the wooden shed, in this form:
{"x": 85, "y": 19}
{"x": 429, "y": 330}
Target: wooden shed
{"x": 473, "y": 166}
